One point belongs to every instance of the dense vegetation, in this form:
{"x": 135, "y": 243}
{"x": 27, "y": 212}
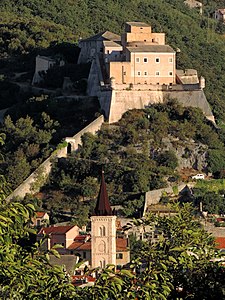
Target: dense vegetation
{"x": 35, "y": 128}
{"x": 177, "y": 266}
{"x": 135, "y": 157}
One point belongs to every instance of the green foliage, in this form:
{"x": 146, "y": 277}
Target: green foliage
{"x": 217, "y": 161}
{"x": 26, "y": 145}
{"x": 183, "y": 251}
{"x": 24, "y": 273}
{"x": 133, "y": 154}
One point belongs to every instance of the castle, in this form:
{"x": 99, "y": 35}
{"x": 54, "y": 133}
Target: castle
{"x": 137, "y": 69}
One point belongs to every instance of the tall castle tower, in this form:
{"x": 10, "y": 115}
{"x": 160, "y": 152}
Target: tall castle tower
{"x": 103, "y": 231}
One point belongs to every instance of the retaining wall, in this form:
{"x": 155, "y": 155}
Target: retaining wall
{"x": 153, "y": 197}
{"x": 34, "y": 182}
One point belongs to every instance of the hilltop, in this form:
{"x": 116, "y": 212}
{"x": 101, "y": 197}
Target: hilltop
{"x": 29, "y": 25}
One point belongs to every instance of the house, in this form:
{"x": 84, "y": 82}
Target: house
{"x": 103, "y": 246}
{"x": 138, "y": 69}
{"x": 220, "y": 15}
{"x": 41, "y": 218}
{"x": 60, "y": 235}
{"x": 42, "y": 65}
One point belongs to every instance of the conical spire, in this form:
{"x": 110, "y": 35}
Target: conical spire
{"x": 103, "y": 207}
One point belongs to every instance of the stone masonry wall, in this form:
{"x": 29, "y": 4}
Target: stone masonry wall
{"x": 33, "y": 183}
{"x": 153, "y": 197}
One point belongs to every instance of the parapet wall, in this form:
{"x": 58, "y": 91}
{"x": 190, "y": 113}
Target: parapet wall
{"x": 153, "y": 197}
{"x": 93, "y": 127}
{"x": 34, "y": 182}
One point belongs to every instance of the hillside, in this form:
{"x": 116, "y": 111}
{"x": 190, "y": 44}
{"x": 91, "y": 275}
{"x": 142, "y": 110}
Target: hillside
{"x": 145, "y": 150}
{"x": 29, "y": 25}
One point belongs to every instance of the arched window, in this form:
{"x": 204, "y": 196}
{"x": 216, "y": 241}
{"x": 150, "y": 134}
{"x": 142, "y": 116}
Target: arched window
{"x": 102, "y": 230}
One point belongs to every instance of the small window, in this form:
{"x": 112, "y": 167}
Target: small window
{"x": 137, "y": 59}
{"x": 157, "y": 73}
{"x": 102, "y": 230}
{"x": 145, "y": 73}
{"x": 119, "y": 255}
{"x": 62, "y": 244}
{"x": 170, "y": 60}
{"x": 139, "y": 73}
{"x": 157, "y": 60}
{"x": 145, "y": 59}
{"x": 84, "y": 255}
{"x": 171, "y": 73}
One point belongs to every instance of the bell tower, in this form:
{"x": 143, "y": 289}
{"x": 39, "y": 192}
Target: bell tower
{"x": 103, "y": 231}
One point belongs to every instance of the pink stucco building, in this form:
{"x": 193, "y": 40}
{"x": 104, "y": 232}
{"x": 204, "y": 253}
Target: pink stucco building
{"x": 137, "y": 69}
{"x": 139, "y": 56}
{"x": 62, "y": 235}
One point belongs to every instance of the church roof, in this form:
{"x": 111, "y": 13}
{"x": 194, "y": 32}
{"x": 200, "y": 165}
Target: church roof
{"x": 102, "y": 36}
{"x": 103, "y": 207}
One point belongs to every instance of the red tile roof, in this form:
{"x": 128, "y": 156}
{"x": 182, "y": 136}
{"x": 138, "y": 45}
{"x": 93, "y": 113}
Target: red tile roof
{"x": 56, "y": 229}
{"x": 220, "y": 242}
{"x": 121, "y": 244}
{"x": 79, "y": 244}
{"x": 40, "y": 214}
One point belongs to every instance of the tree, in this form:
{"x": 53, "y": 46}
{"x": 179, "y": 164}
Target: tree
{"x": 184, "y": 251}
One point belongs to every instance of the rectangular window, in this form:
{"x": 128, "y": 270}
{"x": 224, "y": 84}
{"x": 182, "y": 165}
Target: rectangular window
{"x": 137, "y": 59}
{"x": 157, "y": 73}
{"x": 145, "y": 59}
{"x": 145, "y": 73}
{"x": 171, "y": 73}
{"x": 138, "y": 73}
{"x": 84, "y": 255}
{"x": 119, "y": 255}
{"x": 157, "y": 60}
{"x": 170, "y": 60}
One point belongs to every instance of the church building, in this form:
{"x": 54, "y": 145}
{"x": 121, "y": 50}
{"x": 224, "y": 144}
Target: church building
{"x": 104, "y": 242}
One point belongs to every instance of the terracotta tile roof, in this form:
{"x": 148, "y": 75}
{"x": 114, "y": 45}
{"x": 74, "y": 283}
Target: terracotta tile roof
{"x": 55, "y": 230}
{"x": 40, "y": 214}
{"x": 220, "y": 242}
{"x": 81, "y": 242}
{"x": 152, "y": 48}
{"x": 80, "y": 246}
{"x": 121, "y": 244}
{"x": 105, "y": 35}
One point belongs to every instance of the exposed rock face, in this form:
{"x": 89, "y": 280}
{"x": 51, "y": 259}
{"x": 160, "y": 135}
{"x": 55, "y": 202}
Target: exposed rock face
{"x": 189, "y": 153}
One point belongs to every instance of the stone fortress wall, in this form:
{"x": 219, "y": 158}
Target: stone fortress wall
{"x": 115, "y": 100}
{"x": 33, "y": 183}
